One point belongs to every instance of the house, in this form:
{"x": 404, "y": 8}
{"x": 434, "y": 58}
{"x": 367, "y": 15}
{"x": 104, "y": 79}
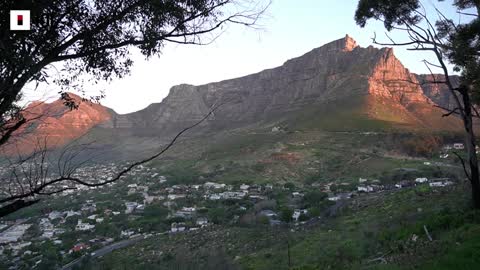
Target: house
{"x": 214, "y": 197}
{"x": 458, "y": 146}
{"x": 71, "y": 213}
{"x": 126, "y": 233}
{"x": 244, "y": 187}
{"x": 83, "y": 226}
{"x": 441, "y": 183}
{"x": 186, "y": 212}
{"x": 176, "y": 196}
{"x": 162, "y": 179}
{"x": 365, "y": 189}
{"x": 362, "y": 180}
{"x": 447, "y": 147}
{"x": 232, "y": 195}
{"x": 177, "y": 227}
{"x": 130, "y": 207}
{"x": 210, "y": 185}
{"x": 298, "y": 212}
{"x": 202, "y": 221}
{"x": 403, "y": 184}
{"x": 421, "y": 180}
{"x": 54, "y": 215}
{"x": 340, "y": 196}
{"x": 79, "y": 247}
{"x": 140, "y": 208}
{"x": 297, "y": 194}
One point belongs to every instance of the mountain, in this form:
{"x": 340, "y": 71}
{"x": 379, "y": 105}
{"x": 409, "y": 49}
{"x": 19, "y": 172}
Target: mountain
{"x": 339, "y": 86}
{"x": 337, "y": 73}
{"x": 53, "y": 124}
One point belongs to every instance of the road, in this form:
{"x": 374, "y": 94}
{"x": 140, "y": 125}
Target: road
{"x": 105, "y": 250}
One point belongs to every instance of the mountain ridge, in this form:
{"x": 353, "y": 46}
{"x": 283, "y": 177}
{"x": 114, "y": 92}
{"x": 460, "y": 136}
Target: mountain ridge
{"x": 335, "y": 73}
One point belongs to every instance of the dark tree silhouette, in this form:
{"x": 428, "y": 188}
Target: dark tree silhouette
{"x": 449, "y": 41}
{"x": 93, "y": 38}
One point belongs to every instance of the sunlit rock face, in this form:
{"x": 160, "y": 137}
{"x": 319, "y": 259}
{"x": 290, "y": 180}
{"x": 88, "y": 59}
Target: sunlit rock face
{"x": 339, "y": 70}
{"x": 337, "y": 73}
{"x": 53, "y": 124}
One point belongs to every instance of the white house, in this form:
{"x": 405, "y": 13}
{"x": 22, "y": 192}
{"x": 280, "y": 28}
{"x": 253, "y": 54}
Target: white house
{"x": 298, "y": 212}
{"x": 214, "y": 197}
{"x": 362, "y": 180}
{"x": 209, "y": 185}
{"x": 202, "y": 221}
{"x": 130, "y": 207}
{"x": 458, "y": 146}
{"x": 244, "y": 187}
{"x": 176, "y": 196}
{"x": 177, "y": 227}
{"x": 83, "y": 226}
{"x": 297, "y": 195}
{"x": 365, "y": 189}
{"x": 421, "y": 180}
{"x": 441, "y": 184}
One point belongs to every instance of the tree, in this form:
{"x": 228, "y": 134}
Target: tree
{"x": 315, "y": 197}
{"x": 286, "y": 214}
{"x": 92, "y": 40}
{"x": 449, "y": 41}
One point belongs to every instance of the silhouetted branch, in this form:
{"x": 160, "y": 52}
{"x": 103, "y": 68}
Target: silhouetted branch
{"x": 463, "y": 165}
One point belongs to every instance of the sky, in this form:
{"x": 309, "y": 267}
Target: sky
{"x": 290, "y": 28}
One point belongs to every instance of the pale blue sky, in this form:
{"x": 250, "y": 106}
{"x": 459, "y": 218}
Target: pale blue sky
{"x": 289, "y": 29}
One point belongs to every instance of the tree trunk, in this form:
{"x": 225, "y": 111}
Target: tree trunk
{"x": 471, "y": 151}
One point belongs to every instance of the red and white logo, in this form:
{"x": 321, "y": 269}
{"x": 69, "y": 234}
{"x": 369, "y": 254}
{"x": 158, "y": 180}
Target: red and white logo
{"x": 19, "y": 19}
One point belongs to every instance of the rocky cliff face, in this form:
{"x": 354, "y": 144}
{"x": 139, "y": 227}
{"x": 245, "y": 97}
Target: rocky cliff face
{"x": 336, "y": 71}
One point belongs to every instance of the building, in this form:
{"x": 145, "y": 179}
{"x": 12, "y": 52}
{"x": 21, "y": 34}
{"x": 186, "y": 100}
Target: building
{"x": 202, "y": 221}
{"x": 458, "y": 146}
{"x": 365, "y": 189}
{"x": 130, "y": 207}
{"x": 178, "y": 227}
{"x": 79, "y": 247}
{"x": 298, "y": 212}
{"x": 83, "y": 226}
{"x": 210, "y": 185}
{"x": 421, "y": 180}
